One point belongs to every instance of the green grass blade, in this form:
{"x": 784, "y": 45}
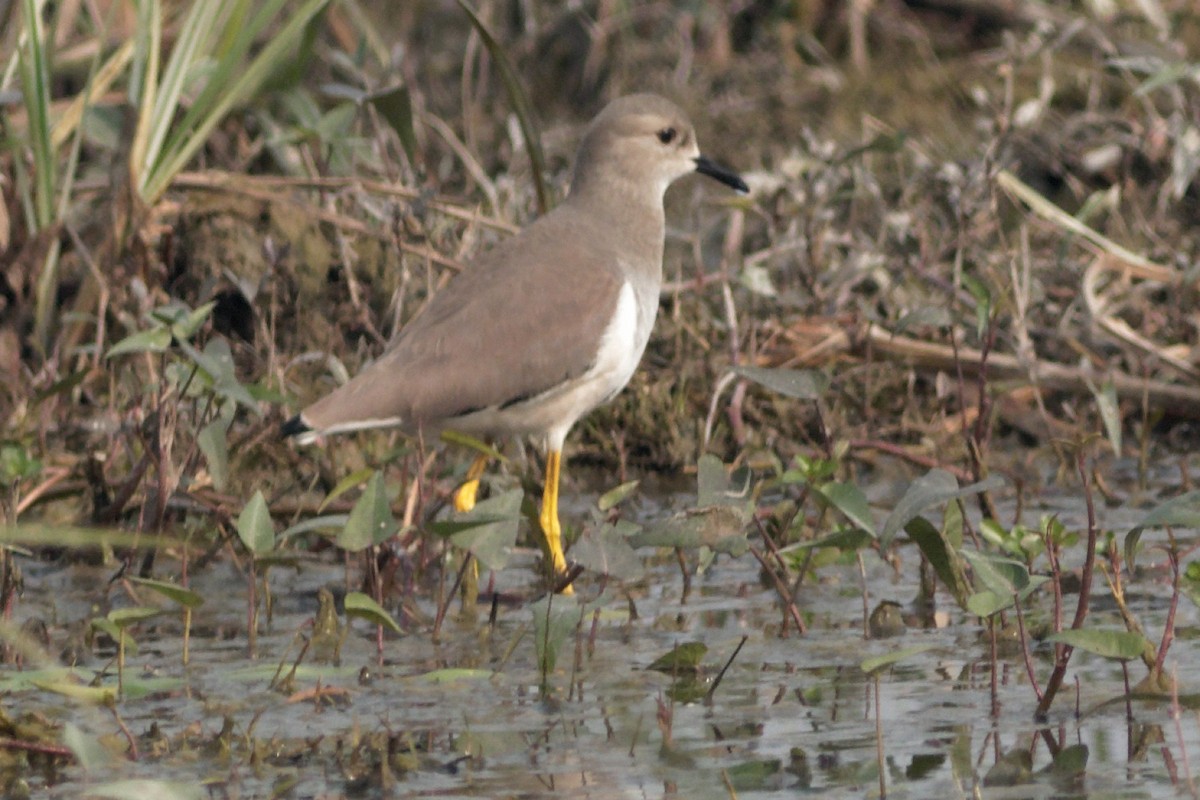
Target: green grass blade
{"x": 241, "y": 85}
{"x": 520, "y": 103}
{"x": 35, "y": 84}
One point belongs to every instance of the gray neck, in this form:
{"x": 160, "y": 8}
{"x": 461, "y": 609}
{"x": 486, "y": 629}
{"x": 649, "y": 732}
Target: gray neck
{"x": 633, "y": 207}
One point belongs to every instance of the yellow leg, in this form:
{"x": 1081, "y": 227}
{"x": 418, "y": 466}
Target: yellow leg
{"x": 551, "y": 527}
{"x": 464, "y": 498}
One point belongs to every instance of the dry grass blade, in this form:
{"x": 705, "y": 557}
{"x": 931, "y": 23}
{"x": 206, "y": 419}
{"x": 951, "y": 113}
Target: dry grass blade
{"x": 1137, "y": 266}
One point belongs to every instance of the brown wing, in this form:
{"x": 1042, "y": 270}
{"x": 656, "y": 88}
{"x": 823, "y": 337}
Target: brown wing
{"x": 523, "y": 317}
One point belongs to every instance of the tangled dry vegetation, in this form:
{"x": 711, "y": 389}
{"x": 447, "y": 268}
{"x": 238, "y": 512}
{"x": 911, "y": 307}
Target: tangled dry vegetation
{"x": 978, "y": 219}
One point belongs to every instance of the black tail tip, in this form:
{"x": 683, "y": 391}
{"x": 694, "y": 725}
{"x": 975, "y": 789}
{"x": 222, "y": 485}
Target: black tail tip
{"x": 294, "y": 427}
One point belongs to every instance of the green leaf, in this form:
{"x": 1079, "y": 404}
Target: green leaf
{"x": 934, "y": 488}
{"x": 926, "y": 316}
{"x": 681, "y": 660}
{"x": 850, "y": 500}
{"x": 515, "y": 88}
{"x": 152, "y": 340}
{"x": 214, "y": 446}
{"x": 492, "y": 529}
{"x": 1070, "y": 762}
{"x": 327, "y": 522}
{"x": 846, "y": 539}
{"x": 89, "y": 753}
{"x": 1182, "y": 511}
{"x": 107, "y": 627}
{"x": 799, "y": 384}
{"x": 1121, "y": 645}
{"x": 455, "y": 675}
{"x": 254, "y": 525}
{"x": 605, "y": 550}
{"x": 988, "y": 602}
{"x": 371, "y": 521}
{"x": 1110, "y": 413}
{"x": 97, "y": 695}
{"x": 555, "y": 617}
{"x": 16, "y": 464}
{"x": 146, "y": 789}
{"x": 999, "y": 574}
{"x": 877, "y": 663}
{"x": 614, "y": 497}
{"x": 185, "y": 327}
{"x": 471, "y": 443}
{"x": 362, "y": 606}
{"x": 344, "y": 485}
{"x": 942, "y": 556}
{"x": 757, "y": 775}
{"x": 171, "y": 591}
{"x": 720, "y": 528}
{"x": 124, "y": 617}
{"x": 395, "y": 106}
{"x": 713, "y": 484}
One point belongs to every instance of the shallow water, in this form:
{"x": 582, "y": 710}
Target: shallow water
{"x": 467, "y": 715}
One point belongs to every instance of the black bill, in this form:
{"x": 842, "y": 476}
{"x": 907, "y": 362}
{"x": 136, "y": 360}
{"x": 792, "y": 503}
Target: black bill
{"x": 712, "y": 169}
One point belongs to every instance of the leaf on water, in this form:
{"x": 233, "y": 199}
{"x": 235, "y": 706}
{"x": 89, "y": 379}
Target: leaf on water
{"x": 455, "y": 675}
{"x": 713, "y": 486}
{"x": 681, "y": 660}
{"x": 1182, "y": 511}
{"x": 800, "y": 384}
{"x": 491, "y": 529}
{"x": 153, "y": 340}
{"x": 850, "y": 500}
{"x": 877, "y": 663}
{"x": 754, "y": 776}
{"x": 362, "y": 606}
{"x": 371, "y": 521}
{"x": 931, "y": 489}
{"x": 254, "y": 525}
{"x": 554, "y": 618}
{"x": 97, "y": 695}
{"x": 605, "y": 550}
{"x": 88, "y": 751}
{"x": 614, "y": 497}
{"x": 171, "y": 591}
{"x": 1069, "y": 762}
{"x": 1121, "y": 645}
{"x": 147, "y": 789}
{"x": 215, "y": 448}
{"x": 720, "y": 528}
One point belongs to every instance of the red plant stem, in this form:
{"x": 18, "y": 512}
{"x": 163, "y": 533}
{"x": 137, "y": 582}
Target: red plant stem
{"x": 1062, "y": 651}
{"x": 1037, "y": 690}
{"x": 1169, "y": 627}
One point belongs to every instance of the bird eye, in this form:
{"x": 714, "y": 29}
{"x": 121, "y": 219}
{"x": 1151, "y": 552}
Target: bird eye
{"x": 666, "y": 135}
